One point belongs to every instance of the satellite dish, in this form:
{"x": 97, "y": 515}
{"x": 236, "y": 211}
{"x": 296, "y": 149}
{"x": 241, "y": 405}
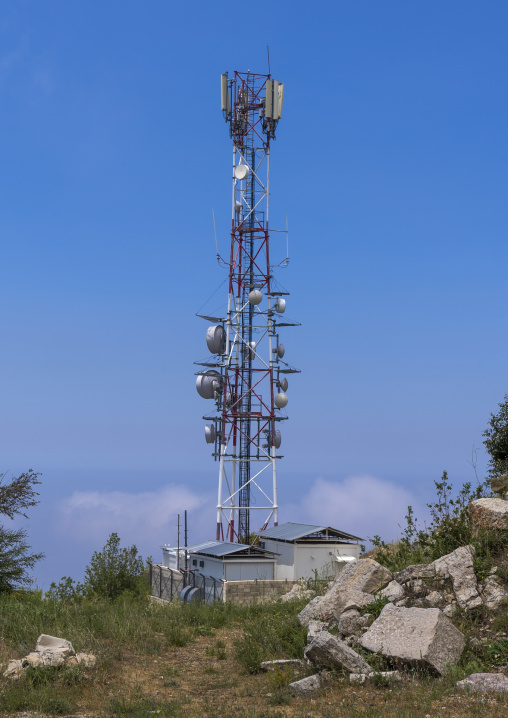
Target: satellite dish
{"x": 210, "y": 433}
{"x": 216, "y": 339}
{"x": 207, "y": 383}
{"x": 280, "y": 305}
{"x": 241, "y": 172}
{"x": 284, "y": 384}
{"x": 281, "y": 350}
{"x": 255, "y": 297}
{"x": 281, "y": 400}
{"x": 277, "y": 438}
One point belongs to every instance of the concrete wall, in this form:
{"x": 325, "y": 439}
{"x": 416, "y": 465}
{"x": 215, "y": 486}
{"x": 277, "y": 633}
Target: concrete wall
{"x": 243, "y": 593}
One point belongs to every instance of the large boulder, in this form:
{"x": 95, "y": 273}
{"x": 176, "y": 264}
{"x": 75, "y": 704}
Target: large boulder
{"x": 307, "y": 685}
{"x": 328, "y": 650}
{"x": 412, "y": 573}
{"x": 351, "y": 589}
{"x": 489, "y": 514}
{"x": 392, "y": 592}
{"x": 416, "y": 636}
{"x": 458, "y": 565}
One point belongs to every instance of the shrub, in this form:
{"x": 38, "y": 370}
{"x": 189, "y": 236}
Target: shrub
{"x": 114, "y": 571}
{"x": 496, "y": 440}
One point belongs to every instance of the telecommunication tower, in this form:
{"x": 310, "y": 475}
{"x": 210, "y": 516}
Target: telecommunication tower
{"x": 246, "y": 376}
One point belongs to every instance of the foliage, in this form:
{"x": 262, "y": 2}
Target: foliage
{"x": 66, "y": 590}
{"x": 271, "y": 632}
{"x": 115, "y": 570}
{"x": 496, "y": 440}
{"x": 376, "y": 606}
{"x": 16, "y": 559}
{"x": 450, "y": 528}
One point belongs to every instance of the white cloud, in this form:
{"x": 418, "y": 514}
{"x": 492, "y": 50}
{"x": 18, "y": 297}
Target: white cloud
{"x": 148, "y": 517}
{"x": 362, "y": 505}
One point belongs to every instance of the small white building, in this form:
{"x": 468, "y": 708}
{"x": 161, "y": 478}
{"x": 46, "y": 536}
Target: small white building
{"x": 308, "y": 551}
{"x": 224, "y": 560}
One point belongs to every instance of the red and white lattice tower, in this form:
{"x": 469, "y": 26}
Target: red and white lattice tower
{"x": 246, "y": 376}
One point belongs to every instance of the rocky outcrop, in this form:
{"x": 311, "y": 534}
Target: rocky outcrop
{"x": 416, "y": 636}
{"x": 328, "y": 650}
{"x": 353, "y": 588}
{"x": 489, "y": 514}
{"x": 485, "y": 683}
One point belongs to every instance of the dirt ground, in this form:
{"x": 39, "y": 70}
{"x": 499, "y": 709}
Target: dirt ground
{"x": 211, "y": 684}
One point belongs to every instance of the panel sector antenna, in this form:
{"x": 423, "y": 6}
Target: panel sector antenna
{"x": 246, "y": 376}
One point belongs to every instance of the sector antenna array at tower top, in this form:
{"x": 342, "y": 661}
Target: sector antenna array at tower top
{"x": 245, "y": 376}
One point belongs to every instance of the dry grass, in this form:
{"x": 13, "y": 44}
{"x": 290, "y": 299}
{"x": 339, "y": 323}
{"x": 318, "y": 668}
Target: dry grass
{"x": 145, "y": 671}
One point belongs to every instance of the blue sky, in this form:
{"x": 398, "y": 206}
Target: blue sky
{"x": 391, "y": 164}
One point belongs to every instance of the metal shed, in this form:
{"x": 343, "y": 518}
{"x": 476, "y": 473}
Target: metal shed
{"x": 225, "y": 560}
{"x": 307, "y": 550}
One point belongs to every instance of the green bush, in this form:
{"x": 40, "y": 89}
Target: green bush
{"x": 116, "y": 570}
{"x": 496, "y": 440}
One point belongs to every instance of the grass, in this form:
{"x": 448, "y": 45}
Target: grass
{"x": 186, "y": 661}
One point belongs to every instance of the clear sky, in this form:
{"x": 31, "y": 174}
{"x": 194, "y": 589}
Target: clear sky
{"x": 391, "y": 163}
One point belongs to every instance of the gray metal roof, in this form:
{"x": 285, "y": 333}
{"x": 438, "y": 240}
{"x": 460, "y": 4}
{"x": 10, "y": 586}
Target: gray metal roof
{"x": 291, "y": 532}
{"x": 224, "y": 548}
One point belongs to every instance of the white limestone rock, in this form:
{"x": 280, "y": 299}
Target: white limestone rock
{"x": 416, "y": 636}
{"x": 327, "y": 650}
{"x": 14, "y": 669}
{"x": 393, "y": 592}
{"x": 61, "y": 646}
{"x": 489, "y": 514}
{"x": 492, "y": 592}
{"x": 458, "y": 565}
{"x": 485, "y": 683}
{"x": 314, "y": 627}
{"x": 307, "y": 685}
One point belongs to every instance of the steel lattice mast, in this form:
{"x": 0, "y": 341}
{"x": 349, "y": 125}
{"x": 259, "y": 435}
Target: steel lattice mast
{"x": 247, "y": 380}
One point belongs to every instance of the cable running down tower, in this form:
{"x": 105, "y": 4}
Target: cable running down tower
{"x": 246, "y": 376}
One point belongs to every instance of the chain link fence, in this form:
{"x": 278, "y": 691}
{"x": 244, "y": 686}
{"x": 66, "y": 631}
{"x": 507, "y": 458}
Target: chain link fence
{"x": 168, "y": 585}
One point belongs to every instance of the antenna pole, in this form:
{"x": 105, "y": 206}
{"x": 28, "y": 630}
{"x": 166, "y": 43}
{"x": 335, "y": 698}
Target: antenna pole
{"x": 245, "y": 376}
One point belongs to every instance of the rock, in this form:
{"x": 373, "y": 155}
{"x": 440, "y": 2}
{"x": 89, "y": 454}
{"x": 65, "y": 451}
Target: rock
{"x": 499, "y": 484}
{"x": 392, "y": 676}
{"x": 88, "y": 660}
{"x": 328, "y": 650}
{"x": 492, "y": 593}
{"x": 72, "y": 661}
{"x": 401, "y": 603}
{"x": 419, "y": 570}
{"x": 416, "y": 636}
{"x": 450, "y": 610}
{"x": 14, "y": 669}
{"x": 54, "y": 644}
{"x": 489, "y": 514}
{"x": 273, "y": 665}
{"x": 309, "y": 611}
{"x": 349, "y": 590}
{"x": 298, "y": 591}
{"x": 393, "y": 592}
{"x": 307, "y": 685}
{"x": 33, "y": 659}
{"x": 417, "y": 588}
{"x": 348, "y": 622}
{"x": 314, "y": 627}
{"x": 459, "y": 566}
{"x": 435, "y": 599}
{"x": 485, "y": 682}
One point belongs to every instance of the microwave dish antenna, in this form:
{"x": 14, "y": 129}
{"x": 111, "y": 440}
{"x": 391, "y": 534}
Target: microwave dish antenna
{"x": 247, "y": 382}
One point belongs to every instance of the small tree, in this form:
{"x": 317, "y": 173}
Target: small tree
{"x": 16, "y": 497}
{"x": 115, "y": 570}
{"x": 496, "y": 441}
